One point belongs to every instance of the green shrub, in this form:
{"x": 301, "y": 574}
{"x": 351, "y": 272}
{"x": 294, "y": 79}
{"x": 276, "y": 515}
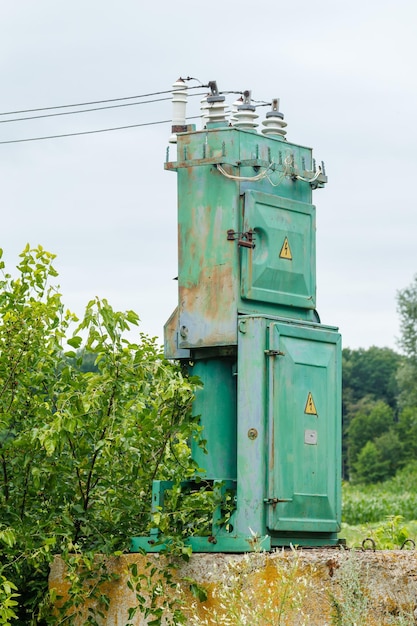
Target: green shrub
{"x": 78, "y": 449}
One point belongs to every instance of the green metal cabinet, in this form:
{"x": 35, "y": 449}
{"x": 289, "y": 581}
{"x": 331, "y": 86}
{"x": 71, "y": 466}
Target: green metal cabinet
{"x": 246, "y": 324}
{"x": 218, "y": 276}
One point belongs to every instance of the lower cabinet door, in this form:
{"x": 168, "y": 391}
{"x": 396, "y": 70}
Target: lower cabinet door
{"x": 304, "y": 428}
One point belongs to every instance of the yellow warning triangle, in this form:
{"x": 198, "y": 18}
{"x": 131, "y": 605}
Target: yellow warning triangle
{"x": 310, "y": 406}
{"x": 285, "y": 250}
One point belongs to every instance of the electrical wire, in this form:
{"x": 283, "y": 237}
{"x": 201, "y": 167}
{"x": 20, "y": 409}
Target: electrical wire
{"x": 259, "y": 176}
{"x": 91, "y": 132}
{"x": 286, "y": 173}
{"x": 81, "y": 104}
{"x": 261, "y": 103}
{"x": 310, "y": 180}
{"x": 112, "y": 106}
{"x": 279, "y": 181}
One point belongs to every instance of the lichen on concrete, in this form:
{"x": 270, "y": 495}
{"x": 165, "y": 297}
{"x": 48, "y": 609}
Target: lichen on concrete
{"x": 314, "y": 587}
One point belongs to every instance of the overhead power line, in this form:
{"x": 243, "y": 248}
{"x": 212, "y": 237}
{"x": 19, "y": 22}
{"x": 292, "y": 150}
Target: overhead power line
{"x": 91, "y": 132}
{"x": 94, "y": 109}
{"x": 111, "y": 106}
{"x": 81, "y": 104}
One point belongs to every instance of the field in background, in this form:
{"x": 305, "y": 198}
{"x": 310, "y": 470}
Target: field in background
{"x": 385, "y": 512}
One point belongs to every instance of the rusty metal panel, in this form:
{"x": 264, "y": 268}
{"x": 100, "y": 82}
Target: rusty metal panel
{"x": 171, "y": 332}
{"x": 208, "y": 274}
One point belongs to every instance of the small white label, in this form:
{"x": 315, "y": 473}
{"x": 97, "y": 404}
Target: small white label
{"x": 310, "y": 437}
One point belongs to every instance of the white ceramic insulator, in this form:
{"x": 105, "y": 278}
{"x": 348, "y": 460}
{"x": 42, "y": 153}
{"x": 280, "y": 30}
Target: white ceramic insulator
{"x": 245, "y": 118}
{"x": 216, "y": 112}
{"x": 204, "y": 105}
{"x": 179, "y": 105}
{"x": 237, "y": 103}
{"x": 274, "y": 126}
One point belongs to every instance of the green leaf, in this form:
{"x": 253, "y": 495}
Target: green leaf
{"x": 8, "y": 536}
{"x": 75, "y": 342}
{"x": 132, "y": 612}
{"x": 198, "y": 592}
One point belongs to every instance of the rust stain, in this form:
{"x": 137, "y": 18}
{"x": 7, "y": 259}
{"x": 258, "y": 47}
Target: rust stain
{"x": 332, "y": 564}
{"x": 209, "y": 306}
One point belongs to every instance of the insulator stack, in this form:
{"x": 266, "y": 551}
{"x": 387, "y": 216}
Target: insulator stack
{"x": 216, "y": 108}
{"x": 246, "y": 114}
{"x": 204, "y": 110}
{"x": 236, "y": 104}
{"x": 179, "y": 105}
{"x": 274, "y": 122}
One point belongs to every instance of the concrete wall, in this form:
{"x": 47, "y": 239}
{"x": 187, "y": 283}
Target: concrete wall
{"x": 311, "y": 587}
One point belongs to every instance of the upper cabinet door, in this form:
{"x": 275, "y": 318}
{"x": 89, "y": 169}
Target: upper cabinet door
{"x": 281, "y": 268}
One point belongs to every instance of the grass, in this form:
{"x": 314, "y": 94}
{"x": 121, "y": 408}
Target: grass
{"x": 369, "y": 504}
{"x": 374, "y": 503}
{"x": 385, "y": 512}
{"x": 388, "y": 534}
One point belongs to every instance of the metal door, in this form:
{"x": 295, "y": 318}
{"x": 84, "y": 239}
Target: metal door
{"x": 304, "y": 423}
{"x": 281, "y": 268}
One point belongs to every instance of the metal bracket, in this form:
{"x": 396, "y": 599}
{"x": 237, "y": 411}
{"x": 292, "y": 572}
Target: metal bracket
{"x": 213, "y": 88}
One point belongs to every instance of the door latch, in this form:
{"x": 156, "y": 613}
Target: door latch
{"x": 275, "y": 501}
{"x": 245, "y": 240}
{"x": 274, "y": 353}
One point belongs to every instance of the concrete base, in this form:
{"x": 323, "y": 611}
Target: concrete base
{"x": 314, "y": 587}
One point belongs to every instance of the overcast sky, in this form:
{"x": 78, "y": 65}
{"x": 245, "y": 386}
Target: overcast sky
{"x": 345, "y": 75}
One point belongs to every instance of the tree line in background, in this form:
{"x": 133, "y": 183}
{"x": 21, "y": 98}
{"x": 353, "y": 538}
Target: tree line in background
{"x": 380, "y": 402}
